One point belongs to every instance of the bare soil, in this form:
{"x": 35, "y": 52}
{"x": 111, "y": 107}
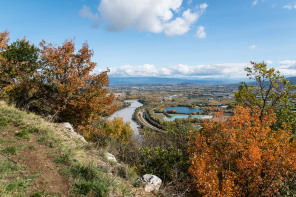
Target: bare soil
{"x": 39, "y": 161}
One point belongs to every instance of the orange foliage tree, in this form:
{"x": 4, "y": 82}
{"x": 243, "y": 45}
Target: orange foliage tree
{"x": 76, "y": 94}
{"x": 3, "y": 45}
{"x": 242, "y": 156}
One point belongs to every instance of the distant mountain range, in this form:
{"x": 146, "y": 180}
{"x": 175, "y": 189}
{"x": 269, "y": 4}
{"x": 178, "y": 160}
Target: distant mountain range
{"x": 292, "y": 80}
{"x": 167, "y": 81}
{"x": 172, "y": 81}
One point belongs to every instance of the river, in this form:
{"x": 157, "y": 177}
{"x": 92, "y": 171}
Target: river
{"x": 127, "y": 115}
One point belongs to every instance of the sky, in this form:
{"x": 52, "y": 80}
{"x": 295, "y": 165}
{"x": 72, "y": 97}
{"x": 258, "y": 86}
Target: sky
{"x": 164, "y": 38}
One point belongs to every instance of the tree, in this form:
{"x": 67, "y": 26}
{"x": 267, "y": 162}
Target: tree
{"x": 4, "y": 39}
{"x": 269, "y": 91}
{"x": 119, "y": 130}
{"x": 242, "y": 156}
{"x": 3, "y": 45}
{"x": 72, "y": 91}
{"x": 18, "y": 69}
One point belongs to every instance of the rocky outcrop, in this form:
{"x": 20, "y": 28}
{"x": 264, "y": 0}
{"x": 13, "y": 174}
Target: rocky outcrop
{"x": 150, "y": 182}
{"x": 72, "y": 133}
{"x": 110, "y": 157}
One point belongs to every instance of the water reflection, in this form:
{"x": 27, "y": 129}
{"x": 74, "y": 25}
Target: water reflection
{"x": 127, "y": 114}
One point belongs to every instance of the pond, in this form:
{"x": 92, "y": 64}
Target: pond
{"x": 174, "y": 116}
{"x": 127, "y": 115}
{"x": 184, "y": 110}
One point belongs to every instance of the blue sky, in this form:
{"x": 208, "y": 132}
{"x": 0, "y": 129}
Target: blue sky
{"x": 165, "y": 38}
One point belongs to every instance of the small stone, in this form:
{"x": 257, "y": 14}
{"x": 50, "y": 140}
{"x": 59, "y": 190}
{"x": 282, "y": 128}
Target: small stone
{"x": 150, "y": 182}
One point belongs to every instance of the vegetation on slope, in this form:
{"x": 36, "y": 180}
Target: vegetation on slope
{"x": 39, "y": 158}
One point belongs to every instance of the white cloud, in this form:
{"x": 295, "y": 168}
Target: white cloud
{"x": 128, "y": 70}
{"x": 287, "y": 67}
{"x": 255, "y": 2}
{"x": 157, "y": 16}
{"x": 252, "y": 47}
{"x": 269, "y": 62}
{"x": 85, "y": 12}
{"x": 201, "y": 32}
{"x": 288, "y": 64}
{"x": 180, "y": 25}
{"x": 228, "y": 70}
{"x": 290, "y": 6}
{"x": 203, "y": 7}
{"x": 225, "y": 70}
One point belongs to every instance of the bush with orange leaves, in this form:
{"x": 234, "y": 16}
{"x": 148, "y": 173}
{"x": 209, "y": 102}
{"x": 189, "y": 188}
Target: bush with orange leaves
{"x": 243, "y": 157}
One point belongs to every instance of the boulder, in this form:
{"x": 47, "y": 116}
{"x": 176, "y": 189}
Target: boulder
{"x": 68, "y": 126}
{"x": 150, "y": 182}
{"x": 110, "y": 157}
{"x": 73, "y": 134}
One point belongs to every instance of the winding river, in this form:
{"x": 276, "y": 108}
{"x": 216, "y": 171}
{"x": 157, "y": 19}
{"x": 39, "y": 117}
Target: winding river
{"x": 127, "y": 114}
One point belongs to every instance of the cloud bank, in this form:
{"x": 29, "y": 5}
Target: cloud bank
{"x": 231, "y": 70}
{"x": 156, "y": 16}
{"x": 225, "y": 70}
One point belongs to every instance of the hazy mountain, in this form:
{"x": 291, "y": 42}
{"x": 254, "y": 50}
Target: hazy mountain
{"x": 159, "y": 80}
{"x": 292, "y": 80}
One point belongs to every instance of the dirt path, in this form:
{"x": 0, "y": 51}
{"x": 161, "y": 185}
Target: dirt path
{"x": 39, "y": 162}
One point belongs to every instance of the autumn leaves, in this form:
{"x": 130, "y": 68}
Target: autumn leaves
{"x": 55, "y": 80}
{"x": 253, "y": 153}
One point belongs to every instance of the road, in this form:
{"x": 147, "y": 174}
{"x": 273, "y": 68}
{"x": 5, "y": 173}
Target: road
{"x": 143, "y": 121}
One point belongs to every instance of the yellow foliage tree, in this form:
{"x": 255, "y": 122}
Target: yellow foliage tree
{"x": 119, "y": 130}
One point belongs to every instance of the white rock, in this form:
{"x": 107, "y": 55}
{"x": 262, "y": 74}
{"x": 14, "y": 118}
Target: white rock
{"x": 73, "y": 134}
{"x": 110, "y": 157}
{"x": 151, "y": 182}
{"x": 68, "y": 126}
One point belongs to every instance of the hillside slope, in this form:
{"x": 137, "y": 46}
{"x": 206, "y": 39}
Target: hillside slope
{"x": 39, "y": 158}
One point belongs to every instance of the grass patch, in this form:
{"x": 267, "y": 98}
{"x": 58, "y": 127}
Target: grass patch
{"x": 64, "y": 158}
{"x": 24, "y": 134}
{"x": 6, "y": 141}
{"x": 103, "y": 168}
{"x": 10, "y": 181}
{"x": 3, "y": 121}
{"x": 18, "y": 185}
{"x": 7, "y": 167}
{"x": 87, "y": 172}
{"x": 32, "y": 130}
{"x": 49, "y": 141}
{"x": 31, "y": 147}
{"x": 97, "y": 188}
{"x": 9, "y": 150}
{"x": 33, "y": 176}
{"x": 38, "y": 193}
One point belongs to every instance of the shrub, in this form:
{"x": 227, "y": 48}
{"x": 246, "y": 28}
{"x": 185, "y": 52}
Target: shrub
{"x": 242, "y": 156}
